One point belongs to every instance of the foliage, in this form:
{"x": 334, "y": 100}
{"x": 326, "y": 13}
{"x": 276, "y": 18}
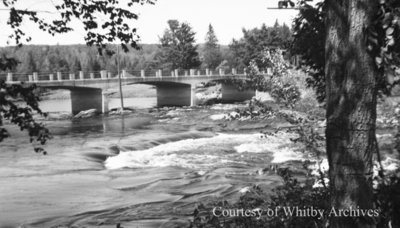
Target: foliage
{"x": 382, "y": 45}
{"x": 89, "y": 13}
{"x": 212, "y": 55}
{"x": 387, "y": 199}
{"x": 292, "y": 192}
{"x": 309, "y": 42}
{"x": 255, "y": 41}
{"x": 22, "y": 116}
{"x": 285, "y": 93}
{"x": 177, "y": 49}
{"x": 281, "y": 85}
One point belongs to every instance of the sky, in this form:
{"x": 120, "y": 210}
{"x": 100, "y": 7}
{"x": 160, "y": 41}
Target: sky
{"x": 228, "y": 17}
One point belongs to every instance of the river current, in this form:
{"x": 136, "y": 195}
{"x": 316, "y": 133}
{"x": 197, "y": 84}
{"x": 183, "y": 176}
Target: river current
{"x": 147, "y": 169}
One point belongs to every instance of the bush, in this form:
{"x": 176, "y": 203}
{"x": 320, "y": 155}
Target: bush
{"x": 287, "y": 94}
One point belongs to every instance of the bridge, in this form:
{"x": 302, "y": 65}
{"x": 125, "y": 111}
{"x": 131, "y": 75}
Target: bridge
{"x": 176, "y": 88}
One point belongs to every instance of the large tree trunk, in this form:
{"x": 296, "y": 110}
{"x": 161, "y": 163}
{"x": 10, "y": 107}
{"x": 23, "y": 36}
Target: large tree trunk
{"x": 351, "y": 107}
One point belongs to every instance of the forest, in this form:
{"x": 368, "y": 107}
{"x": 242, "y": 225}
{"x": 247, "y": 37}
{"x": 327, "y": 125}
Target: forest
{"x": 209, "y": 54}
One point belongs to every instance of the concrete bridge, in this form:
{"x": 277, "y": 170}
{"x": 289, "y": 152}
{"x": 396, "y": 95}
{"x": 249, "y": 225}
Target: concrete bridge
{"x": 175, "y": 89}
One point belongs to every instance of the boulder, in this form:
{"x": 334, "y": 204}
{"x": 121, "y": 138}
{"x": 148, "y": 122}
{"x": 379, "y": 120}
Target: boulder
{"x": 87, "y": 113}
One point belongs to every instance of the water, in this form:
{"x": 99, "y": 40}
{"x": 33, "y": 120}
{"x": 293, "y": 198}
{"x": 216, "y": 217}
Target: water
{"x": 149, "y": 169}
{"x": 64, "y": 105}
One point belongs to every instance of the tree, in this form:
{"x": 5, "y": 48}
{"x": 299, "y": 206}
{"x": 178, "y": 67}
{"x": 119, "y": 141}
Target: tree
{"x": 309, "y": 43}
{"x": 359, "y": 54}
{"x": 351, "y": 107}
{"x": 75, "y": 66}
{"x": 177, "y": 49}
{"x": 98, "y": 33}
{"x": 255, "y": 41}
{"x": 212, "y": 56}
{"x": 29, "y": 65}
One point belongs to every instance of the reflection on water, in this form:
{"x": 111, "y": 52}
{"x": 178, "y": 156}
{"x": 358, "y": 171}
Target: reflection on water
{"x": 64, "y": 105}
{"x": 100, "y": 124}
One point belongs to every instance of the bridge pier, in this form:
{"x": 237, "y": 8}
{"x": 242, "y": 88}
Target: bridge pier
{"x": 231, "y": 94}
{"x": 87, "y": 98}
{"x": 173, "y": 94}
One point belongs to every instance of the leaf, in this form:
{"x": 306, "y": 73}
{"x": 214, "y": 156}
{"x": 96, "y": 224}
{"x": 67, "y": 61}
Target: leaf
{"x": 391, "y": 41}
{"x": 389, "y": 31}
{"x": 390, "y": 76}
{"x": 373, "y": 40}
{"x": 378, "y": 61}
{"x": 389, "y": 56}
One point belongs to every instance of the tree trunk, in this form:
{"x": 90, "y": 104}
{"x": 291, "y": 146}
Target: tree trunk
{"x": 351, "y": 108}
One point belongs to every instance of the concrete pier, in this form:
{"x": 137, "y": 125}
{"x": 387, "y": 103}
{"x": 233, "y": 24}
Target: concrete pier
{"x": 85, "y": 98}
{"x": 175, "y": 94}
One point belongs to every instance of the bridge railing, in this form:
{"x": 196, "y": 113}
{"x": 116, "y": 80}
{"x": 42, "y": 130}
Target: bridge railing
{"x": 156, "y": 73}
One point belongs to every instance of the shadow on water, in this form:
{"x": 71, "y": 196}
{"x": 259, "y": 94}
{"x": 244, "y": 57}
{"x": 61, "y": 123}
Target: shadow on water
{"x": 120, "y": 125}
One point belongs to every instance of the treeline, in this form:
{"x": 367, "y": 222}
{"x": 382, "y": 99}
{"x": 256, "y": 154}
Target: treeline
{"x": 176, "y": 50}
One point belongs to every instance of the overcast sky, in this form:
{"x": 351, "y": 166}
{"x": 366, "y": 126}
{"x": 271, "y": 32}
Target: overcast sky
{"x": 228, "y": 17}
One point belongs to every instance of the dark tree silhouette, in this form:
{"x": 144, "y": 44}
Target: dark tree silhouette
{"x": 212, "y": 55}
{"x": 177, "y": 48}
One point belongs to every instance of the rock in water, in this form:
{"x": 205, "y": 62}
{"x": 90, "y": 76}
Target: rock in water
{"x": 87, "y": 113}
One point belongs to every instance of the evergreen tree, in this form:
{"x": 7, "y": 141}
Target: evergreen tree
{"x": 93, "y": 65}
{"x": 75, "y": 66}
{"x": 212, "y": 53}
{"x": 28, "y": 66}
{"x": 177, "y": 48}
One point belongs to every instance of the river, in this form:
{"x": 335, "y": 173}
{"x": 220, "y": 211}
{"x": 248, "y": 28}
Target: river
{"x": 147, "y": 169}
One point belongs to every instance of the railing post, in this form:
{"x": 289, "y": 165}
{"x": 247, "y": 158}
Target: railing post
{"x": 142, "y": 74}
{"x": 9, "y": 77}
{"x": 51, "y": 77}
{"x": 160, "y": 73}
{"x": 234, "y": 72}
{"x": 81, "y": 76}
{"x": 198, "y": 72}
{"x": 172, "y": 73}
{"x": 35, "y": 76}
{"x": 207, "y": 72}
{"x": 221, "y": 72}
{"x": 123, "y": 74}
{"x": 59, "y": 76}
{"x": 103, "y": 74}
{"x": 186, "y": 73}
{"x": 30, "y": 78}
{"x": 91, "y": 75}
{"x": 192, "y": 72}
{"x": 109, "y": 75}
{"x": 71, "y": 76}
{"x": 176, "y": 73}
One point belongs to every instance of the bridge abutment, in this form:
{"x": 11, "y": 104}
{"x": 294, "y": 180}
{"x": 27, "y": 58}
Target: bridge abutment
{"x": 176, "y": 95}
{"x": 229, "y": 93}
{"x": 87, "y": 98}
